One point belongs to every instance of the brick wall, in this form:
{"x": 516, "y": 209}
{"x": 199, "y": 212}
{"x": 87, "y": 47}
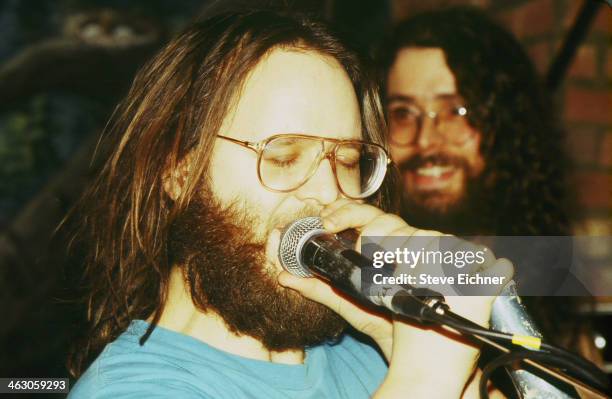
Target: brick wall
{"x": 584, "y": 100}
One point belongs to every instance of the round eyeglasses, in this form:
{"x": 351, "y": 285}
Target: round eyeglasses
{"x": 448, "y": 114}
{"x": 287, "y": 161}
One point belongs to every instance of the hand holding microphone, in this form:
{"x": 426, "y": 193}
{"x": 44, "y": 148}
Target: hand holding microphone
{"x": 308, "y": 249}
{"x": 413, "y": 351}
{"x": 326, "y": 256}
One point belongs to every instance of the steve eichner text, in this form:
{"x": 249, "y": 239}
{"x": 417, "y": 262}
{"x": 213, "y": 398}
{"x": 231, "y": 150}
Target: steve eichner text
{"x": 404, "y": 256}
{"x": 426, "y": 279}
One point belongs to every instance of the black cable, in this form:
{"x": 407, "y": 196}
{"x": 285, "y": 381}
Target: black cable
{"x": 575, "y": 365}
{"x": 493, "y": 365}
{"x": 541, "y": 357}
{"x": 548, "y": 355}
{"x": 595, "y": 374}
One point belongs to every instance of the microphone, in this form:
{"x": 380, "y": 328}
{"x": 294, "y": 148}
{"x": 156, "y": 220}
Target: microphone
{"x": 306, "y": 249}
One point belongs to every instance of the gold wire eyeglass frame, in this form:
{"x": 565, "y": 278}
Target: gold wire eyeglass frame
{"x": 259, "y": 146}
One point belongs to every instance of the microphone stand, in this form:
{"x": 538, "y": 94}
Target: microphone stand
{"x": 435, "y": 310}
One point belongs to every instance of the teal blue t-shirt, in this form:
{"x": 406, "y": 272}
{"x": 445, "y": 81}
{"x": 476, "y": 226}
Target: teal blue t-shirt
{"x": 174, "y": 365}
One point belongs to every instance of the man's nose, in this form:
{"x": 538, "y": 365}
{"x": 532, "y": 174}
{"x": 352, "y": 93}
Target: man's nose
{"x": 429, "y": 136}
{"x": 322, "y": 186}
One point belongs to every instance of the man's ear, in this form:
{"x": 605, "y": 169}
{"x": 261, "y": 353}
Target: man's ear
{"x": 174, "y": 180}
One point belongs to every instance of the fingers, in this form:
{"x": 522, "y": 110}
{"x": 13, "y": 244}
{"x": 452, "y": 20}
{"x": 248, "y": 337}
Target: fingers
{"x": 335, "y": 205}
{"x": 501, "y": 268}
{"x": 459, "y": 245}
{"x": 366, "y": 219}
{"x": 346, "y": 214}
{"x": 383, "y": 228}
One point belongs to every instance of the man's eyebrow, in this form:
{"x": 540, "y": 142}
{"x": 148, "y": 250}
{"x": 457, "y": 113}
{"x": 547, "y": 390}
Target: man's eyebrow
{"x": 400, "y": 97}
{"x": 407, "y": 98}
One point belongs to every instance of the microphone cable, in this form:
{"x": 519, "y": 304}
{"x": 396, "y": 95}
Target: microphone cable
{"x": 577, "y": 371}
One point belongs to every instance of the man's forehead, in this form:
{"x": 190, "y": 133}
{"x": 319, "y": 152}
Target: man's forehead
{"x": 295, "y": 91}
{"x": 420, "y": 73}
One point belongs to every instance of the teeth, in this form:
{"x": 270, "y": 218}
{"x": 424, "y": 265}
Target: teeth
{"x": 434, "y": 171}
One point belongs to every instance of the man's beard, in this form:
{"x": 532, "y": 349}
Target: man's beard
{"x": 462, "y": 215}
{"x": 224, "y": 267}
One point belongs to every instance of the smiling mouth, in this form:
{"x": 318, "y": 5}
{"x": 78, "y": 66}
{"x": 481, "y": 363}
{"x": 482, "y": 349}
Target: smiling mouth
{"x": 434, "y": 170}
{"x": 433, "y": 176}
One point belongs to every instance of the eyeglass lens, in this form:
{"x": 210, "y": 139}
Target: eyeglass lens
{"x": 406, "y": 120}
{"x": 287, "y": 162}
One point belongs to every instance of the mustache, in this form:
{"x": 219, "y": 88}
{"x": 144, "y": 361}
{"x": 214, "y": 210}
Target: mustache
{"x": 418, "y": 160}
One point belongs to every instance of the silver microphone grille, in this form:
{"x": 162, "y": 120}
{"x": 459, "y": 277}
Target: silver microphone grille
{"x": 293, "y": 239}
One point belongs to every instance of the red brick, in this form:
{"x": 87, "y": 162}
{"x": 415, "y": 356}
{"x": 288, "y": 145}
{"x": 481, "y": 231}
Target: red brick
{"x": 530, "y": 19}
{"x": 584, "y": 105}
{"x": 581, "y": 145}
{"x": 571, "y": 12}
{"x": 540, "y": 56}
{"x": 603, "y": 20}
{"x": 605, "y": 157}
{"x": 594, "y": 189}
{"x": 584, "y": 64}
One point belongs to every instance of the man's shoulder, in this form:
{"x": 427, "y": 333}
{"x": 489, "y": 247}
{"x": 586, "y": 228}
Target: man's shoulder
{"x": 125, "y": 369}
{"x": 123, "y": 374}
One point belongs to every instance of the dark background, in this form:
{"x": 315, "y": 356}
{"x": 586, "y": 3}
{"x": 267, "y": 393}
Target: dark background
{"x": 64, "y": 64}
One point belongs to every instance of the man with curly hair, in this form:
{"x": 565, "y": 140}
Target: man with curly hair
{"x": 471, "y": 128}
{"x": 472, "y": 132}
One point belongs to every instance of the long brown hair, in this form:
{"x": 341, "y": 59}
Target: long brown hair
{"x": 522, "y": 145}
{"x": 176, "y": 106}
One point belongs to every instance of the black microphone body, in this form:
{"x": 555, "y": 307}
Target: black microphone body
{"x": 326, "y": 256}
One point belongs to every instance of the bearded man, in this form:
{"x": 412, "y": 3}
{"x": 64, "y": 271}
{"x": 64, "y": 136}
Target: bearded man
{"x": 242, "y": 124}
{"x": 471, "y": 128}
{"x": 472, "y": 132}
